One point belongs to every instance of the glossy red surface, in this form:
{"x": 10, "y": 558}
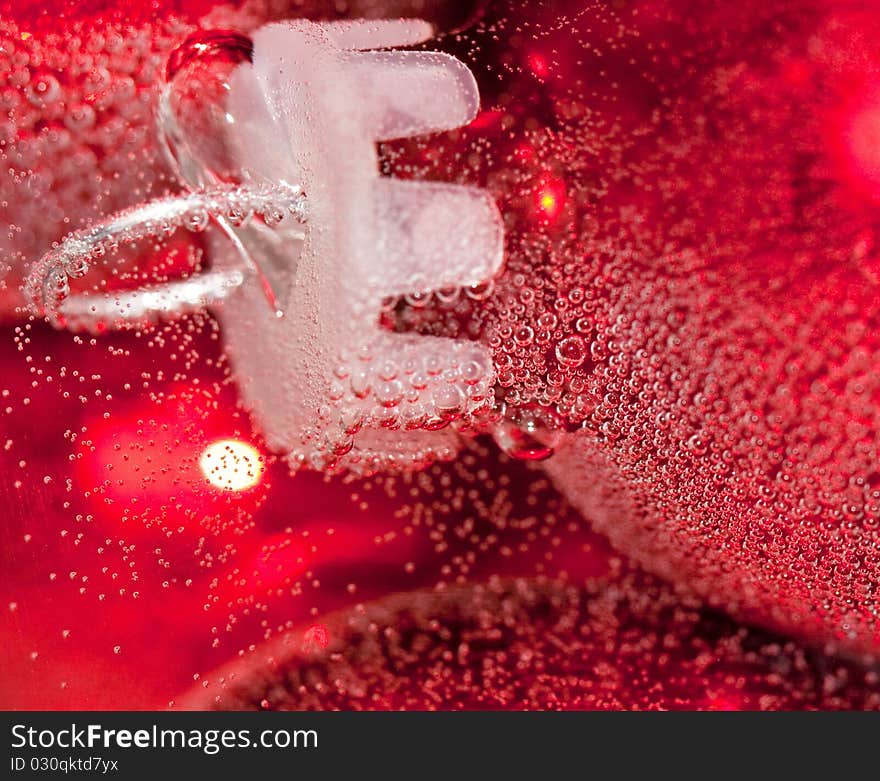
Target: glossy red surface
{"x": 697, "y": 185}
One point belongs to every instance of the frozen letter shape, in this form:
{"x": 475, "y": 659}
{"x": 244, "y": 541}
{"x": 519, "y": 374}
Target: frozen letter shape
{"x": 325, "y": 382}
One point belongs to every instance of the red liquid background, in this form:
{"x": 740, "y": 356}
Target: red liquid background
{"x": 148, "y": 666}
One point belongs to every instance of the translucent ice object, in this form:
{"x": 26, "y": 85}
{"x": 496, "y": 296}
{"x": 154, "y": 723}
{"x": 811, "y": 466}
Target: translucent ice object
{"x": 299, "y": 299}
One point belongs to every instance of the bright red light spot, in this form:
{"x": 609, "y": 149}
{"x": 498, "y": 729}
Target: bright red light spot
{"x": 550, "y": 198}
{"x": 538, "y": 65}
{"x": 486, "y": 119}
{"x": 852, "y": 133}
{"x": 146, "y": 465}
{"x": 724, "y": 702}
{"x": 863, "y": 140}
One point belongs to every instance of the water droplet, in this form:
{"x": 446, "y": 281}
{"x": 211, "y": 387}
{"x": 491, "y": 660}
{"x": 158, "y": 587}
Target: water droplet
{"x": 528, "y": 433}
{"x": 571, "y": 351}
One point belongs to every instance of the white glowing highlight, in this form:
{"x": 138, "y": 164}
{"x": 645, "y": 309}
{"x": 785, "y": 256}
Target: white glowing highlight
{"x": 231, "y": 465}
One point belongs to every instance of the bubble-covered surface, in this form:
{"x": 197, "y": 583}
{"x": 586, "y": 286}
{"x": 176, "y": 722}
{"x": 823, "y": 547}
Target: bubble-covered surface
{"x": 535, "y": 646}
{"x": 691, "y": 291}
{"x": 303, "y": 108}
{"x": 683, "y": 337}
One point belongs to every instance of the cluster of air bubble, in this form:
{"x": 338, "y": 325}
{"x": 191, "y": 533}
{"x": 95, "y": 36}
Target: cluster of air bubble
{"x": 84, "y": 101}
{"x": 417, "y": 391}
{"x": 329, "y": 387}
{"x": 688, "y": 313}
{"x": 48, "y": 286}
{"x": 684, "y": 335}
{"x": 535, "y": 645}
{"x": 78, "y": 100}
{"x": 410, "y": 234}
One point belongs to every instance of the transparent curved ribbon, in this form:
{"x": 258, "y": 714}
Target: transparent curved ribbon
{"x": 47, "y": 288}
